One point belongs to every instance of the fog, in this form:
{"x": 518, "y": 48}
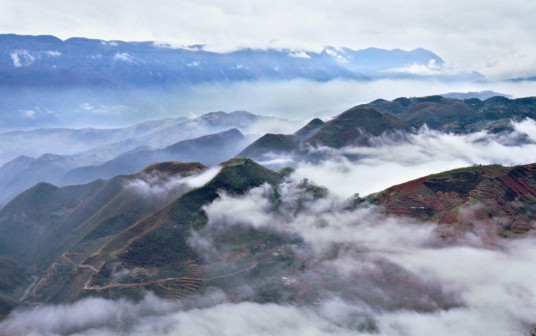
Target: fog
{"x": 387, "y": 275}
{"x": 392, "y": 161}
{"x": 294, "y": 99}
{"x": 164, "y": 187}
{"x": 297, "y": 101}
{"x": 392, "y": 276}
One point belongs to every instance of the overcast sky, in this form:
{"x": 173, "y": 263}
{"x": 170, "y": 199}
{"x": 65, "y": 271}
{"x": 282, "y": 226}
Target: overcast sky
{"x": 495, "y": 37}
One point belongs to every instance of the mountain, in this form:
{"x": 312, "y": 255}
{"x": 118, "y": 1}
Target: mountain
{"x": 96, "y": 144}
{"x": 47, "y": 60}
{"x": 457, "y": 115}
{"x": 81, "y": 234}
{"x": 46, "y": 230}
{"x": 209, "y": 149}
{"x": 40, "y": 223}
{"x": 352, "y": 127}
{"x": 500, "y": 199}
{"x": 88, "y": 154}
{"x": 482, "y": 95}
{"x": 93, "y": 146}
{"x": 121, "y": 237}
{"x": 356, "y": 126}
{"x": 24, "y": 172}
{"x": 49, "y": 82}
{"x": 12, "y": 279}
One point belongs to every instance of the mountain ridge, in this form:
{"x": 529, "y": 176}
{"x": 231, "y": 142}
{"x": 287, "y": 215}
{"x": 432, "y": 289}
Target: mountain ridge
{"x": 503, "y": 198}
{"x": 148, "y": 250}
{"x": 357, "y": 125}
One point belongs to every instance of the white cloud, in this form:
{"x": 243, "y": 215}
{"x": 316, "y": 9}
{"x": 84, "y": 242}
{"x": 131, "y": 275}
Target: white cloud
{"x": 103, "y": 110}
{"x": 125, "y": 57}
{"x": 109, "y": 43}
{"x": 22, "y": 58}
{"x": 299, "y": 54}
{"x": 86, "y": 107}
{"x": 420, "y": 69}
{"x": 53, "y": 53}
{"x": 392, "y": 161}
{"x": 159, "y": 185}
{"x": 337, "y": 54}
{"x": 490, "y": 299}
{"x": 29, "y": 113}
{"x": 465, "y": 34}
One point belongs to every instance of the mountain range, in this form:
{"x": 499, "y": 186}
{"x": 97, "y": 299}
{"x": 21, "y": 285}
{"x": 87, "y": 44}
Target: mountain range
{"x": 121, "y": 237}
{"x": 88, "y": 154}
{"x": 143, "y": 225}
{"x": 360, "y": 124}
{"x": 48, "y": 82}
{"x": 47, "y": 60}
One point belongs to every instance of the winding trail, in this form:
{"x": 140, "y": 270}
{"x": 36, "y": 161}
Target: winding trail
{"x": 185, "y": 278}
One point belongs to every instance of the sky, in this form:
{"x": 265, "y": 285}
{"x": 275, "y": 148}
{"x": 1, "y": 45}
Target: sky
{"x": 493, "y": 37}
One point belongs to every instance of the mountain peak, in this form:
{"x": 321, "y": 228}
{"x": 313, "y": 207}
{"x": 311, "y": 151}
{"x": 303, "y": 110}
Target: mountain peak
{"x": 174, "y": 167}
{"x": 309, "y": 129}
{"x": 368, "y": 120}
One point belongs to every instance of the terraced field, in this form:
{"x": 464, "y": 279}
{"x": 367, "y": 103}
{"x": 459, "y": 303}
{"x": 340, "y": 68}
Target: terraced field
{"x": 502, "y": 196}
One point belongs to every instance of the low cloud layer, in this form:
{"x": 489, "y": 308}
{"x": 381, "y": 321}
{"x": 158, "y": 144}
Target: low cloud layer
{"x": 296, "y": 100}
{"x": 164, "y": 185}
{"x": 399, "y": 278}
{"x": 392, "y": 160}
{"x": 367, "y": 274}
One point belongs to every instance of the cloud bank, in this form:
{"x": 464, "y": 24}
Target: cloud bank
{"x": 165, "y": 186}
{"x": 367, "y": 274}
{"x": 392, "y": 161}
{"x": 387, "y": 276}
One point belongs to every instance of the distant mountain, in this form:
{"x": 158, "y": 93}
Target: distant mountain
{"x": 24, "y": 172}
{"x": 352, "y": 127}
{"x": 281, "y": 143}
{"x": 47, "y": 60}
{"x": 209, "y": 149}
{"x": 502, "y": 199}
{"x": 356, "y": 126}
{"x": 49, "y": 82}
{"x": 92, "y": 153}
{"x": 482, "y": 95}
{"x": 94, "y": 146}
{"x": 455, "y": 115}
